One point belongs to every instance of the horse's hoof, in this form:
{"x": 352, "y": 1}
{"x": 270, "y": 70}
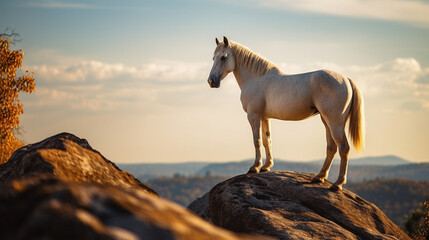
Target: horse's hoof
{"x": 251, "y": 171}
{"x": 336, "y": 188}
{"x": 264, "y": 170}
{"x": 317, "y": 180}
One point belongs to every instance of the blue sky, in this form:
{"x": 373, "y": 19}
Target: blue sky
{"x": 130, "y": 76}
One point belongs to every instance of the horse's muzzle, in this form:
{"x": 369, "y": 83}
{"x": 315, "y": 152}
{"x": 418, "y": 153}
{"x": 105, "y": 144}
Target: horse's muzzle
{"x": 213, "y": 83}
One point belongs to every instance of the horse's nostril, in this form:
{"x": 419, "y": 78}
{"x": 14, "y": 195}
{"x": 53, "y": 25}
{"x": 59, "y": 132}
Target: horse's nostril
{"x": 210, "y": 81}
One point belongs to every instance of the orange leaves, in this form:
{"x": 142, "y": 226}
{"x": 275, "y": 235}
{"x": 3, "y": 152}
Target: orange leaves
{"x": 8, "y": 145}
{"x": 10, "y": 107}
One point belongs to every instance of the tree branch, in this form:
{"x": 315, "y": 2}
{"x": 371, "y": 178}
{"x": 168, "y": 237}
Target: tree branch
{"x": 10, "y": 34}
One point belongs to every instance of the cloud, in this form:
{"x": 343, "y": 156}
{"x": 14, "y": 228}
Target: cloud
{"x": 406, "y": 11}
{"x": 400, "y": 84}
{"x": 168, "y": 71}
{"x": 97, "y": 70}
{"x": 98, "y": 97}
{"x": 162, "y": 71}
{"x": 424, "y": 77}
{"x": 49, "y": 98}
{"x": 100, "y": 86}
{"x": 80, "y": 72}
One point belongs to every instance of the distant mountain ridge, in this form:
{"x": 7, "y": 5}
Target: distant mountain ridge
{"x": 388, "y": 160}
{"x": 356, "y": 172}
{"x": 360, "y": 169}
{"x": 152, "y": 170}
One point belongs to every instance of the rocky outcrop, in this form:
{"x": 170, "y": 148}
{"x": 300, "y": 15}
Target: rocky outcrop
{"x": 285, "y": 205}
{"x": 70, "y": 158}
{"x": 45, "y": 207}
{"x": 61, "y": 188}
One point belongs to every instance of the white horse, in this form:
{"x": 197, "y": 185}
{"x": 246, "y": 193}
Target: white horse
{"x": 267, "y": 92}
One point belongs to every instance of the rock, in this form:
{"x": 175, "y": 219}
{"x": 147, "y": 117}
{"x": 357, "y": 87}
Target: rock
{"x": 285, "y": 205}
{"x": 70, "y": 158}
{"x": 61, "y": 188}
{"x": 201, "y": 207}
{"x": 47, "y": 207}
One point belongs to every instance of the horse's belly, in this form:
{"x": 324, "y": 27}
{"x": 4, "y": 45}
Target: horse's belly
{"x": 285, "y": 109}
{"x": 291, "y": 115}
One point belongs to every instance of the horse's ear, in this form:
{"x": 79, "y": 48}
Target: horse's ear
{"x": 217, "y": 41}
{"x": 225, "y": 41}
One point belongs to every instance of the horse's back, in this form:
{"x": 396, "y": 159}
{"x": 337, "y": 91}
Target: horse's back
{"x": 328, "y": 80}
{"x": 308, "y": 86}
{"x": 299, "y": 96}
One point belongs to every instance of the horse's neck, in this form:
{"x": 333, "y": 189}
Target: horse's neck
{"x": 243, "y": 76}
{"x": 243, "y": 73}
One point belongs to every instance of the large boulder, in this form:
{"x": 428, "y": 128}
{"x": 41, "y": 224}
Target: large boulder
{"x": 285, "y": 205}
{"x": 45, "y": 207}
{"x": 70, "y": 158}
{"x": 61, "y": 188}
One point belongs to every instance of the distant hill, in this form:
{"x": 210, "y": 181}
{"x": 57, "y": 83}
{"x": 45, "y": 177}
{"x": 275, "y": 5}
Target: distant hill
{"x": 236, "y": 168}
{"x": 360, "y": 169}
{"x": 388, "y": 160}
{"x": 356, "y": 173}
{"x": 184, "y": 190}
{"x": 152, "y": 170}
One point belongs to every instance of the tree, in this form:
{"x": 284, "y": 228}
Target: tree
{"x": 417, "y": 224}
{"x": 10, "y": 86}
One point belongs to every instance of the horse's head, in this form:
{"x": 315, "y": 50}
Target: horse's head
{"x": 223, "y": 63}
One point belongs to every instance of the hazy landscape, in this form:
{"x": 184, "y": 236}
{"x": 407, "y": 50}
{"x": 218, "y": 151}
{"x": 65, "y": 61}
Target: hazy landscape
{"x": 394, "y": 184}
{"x": 360, "y": 169}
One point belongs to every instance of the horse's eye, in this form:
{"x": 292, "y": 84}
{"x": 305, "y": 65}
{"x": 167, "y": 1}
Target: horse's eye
{"x": 223, "y": 58}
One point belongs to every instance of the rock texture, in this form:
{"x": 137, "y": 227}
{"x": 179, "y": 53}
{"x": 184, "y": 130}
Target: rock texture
{"x": 70, "y": 158}
{"x": 61, "y": 188}
{"x": 44, "y": 207}
{"x": 201, "y": 207}
{"x": 285, "y": 205}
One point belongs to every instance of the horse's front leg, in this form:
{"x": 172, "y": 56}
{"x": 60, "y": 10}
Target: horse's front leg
{"x": 255, "y": 123}
{"x": 266, "y": 139}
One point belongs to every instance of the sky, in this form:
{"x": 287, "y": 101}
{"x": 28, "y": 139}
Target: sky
{"x": 131, "y": 76}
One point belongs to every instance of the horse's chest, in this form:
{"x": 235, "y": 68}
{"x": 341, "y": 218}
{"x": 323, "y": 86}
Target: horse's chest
{"x": 253, "y": 101}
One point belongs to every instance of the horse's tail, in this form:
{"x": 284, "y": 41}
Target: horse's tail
{"x": 357, "y": 119}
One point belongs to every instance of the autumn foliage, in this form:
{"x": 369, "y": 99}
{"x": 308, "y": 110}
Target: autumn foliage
{"x": 417, "y": 224}
{"x": 10, "y": 86}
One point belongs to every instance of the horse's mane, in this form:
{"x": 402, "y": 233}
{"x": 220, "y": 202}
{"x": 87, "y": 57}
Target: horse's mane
{"x": 255, "y": 63}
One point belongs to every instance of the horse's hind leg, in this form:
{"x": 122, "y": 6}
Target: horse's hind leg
{"x": 266, "y": 139}
{"x": 331, "y": 149}
{"x": 255, "y": 123}
{"x": 340, "y": 139}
